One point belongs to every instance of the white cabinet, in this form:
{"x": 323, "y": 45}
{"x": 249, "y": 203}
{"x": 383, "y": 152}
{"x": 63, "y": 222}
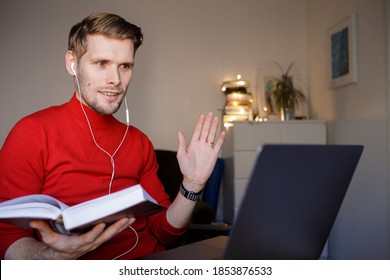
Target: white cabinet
{"x": 239, "y": 152}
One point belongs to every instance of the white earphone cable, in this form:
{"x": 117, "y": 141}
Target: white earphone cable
{"x": 135, "y": 244}
{"x": 94, "y": 139}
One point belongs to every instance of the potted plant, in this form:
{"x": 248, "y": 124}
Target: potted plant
{"x": 284, "y": 95}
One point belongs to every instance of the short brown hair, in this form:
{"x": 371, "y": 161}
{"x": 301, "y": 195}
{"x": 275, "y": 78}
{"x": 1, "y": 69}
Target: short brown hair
{"x": 106, "y": 24}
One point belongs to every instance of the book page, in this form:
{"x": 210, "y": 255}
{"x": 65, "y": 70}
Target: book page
{"x": 36, "y": 198}
{"x": 20, "y": 211}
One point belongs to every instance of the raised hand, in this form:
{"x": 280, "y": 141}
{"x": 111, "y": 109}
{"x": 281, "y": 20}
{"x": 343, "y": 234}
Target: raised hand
{"x": 197, "y": 159}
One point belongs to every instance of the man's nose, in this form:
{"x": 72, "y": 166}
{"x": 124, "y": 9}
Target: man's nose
{"x": 113, "y": 76}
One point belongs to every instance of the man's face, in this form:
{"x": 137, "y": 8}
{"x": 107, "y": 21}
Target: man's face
{"x": 104, "y": 72}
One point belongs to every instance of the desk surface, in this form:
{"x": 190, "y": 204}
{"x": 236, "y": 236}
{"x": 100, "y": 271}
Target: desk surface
{"x": 209, "y": 249}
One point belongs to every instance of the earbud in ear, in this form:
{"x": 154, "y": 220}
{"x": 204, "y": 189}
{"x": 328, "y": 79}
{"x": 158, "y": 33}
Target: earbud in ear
{"x": 72, "y": 66}
{"x": 127, "y": 112}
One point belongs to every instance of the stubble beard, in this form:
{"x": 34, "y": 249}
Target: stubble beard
{"x": 92, "y": 99}
{"x": 103, "y": 109}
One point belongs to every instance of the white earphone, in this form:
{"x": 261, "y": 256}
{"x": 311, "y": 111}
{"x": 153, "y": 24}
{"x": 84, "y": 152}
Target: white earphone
{"x": 72, "y": 66}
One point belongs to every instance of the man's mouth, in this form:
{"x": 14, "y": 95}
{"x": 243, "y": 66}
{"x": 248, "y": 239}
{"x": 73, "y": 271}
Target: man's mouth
{"x": 109, "y": 93}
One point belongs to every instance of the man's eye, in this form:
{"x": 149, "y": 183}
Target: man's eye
{"x": 126, "y": 66}
{"x": 101, "y": 63}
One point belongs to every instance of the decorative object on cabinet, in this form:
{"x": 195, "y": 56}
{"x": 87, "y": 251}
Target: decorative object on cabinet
{"x": 290, "y": 88}
{"x": 284, "y": 94}
{"x": 342, "y": 52}
{"x": 239, "y": 101}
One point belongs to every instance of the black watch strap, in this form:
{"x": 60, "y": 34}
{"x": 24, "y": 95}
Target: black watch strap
{"x": 190, "y": 194}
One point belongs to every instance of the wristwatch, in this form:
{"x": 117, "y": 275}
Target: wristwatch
{"x": 190, "y": 194}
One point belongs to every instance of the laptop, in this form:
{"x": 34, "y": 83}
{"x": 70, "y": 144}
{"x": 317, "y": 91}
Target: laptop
{"x": 291, "y": 202}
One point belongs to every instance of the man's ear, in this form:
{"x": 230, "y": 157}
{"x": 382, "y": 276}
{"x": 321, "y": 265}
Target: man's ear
{"x": 71, "y": 63}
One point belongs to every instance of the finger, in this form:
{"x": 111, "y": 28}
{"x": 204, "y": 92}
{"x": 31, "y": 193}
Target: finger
{"x": 213, "y": 131}
{"x": 121, "y": 224}
{"x": 48, "y": 235}
{"x": 44, "y": 229}
{"x": 220, "y": 141}
{"x": 91, "y": 236}
{"x": 117, "y": 227}
{"x": 114, "y": 229}
{"x": 206, "y": 128}
{"x": 198, "y": 128}
{"x": 96, "y": 230}
{"x": 128, "y": 223}
{"x": 182, "y": 145}
{"x": 37, "y": 224}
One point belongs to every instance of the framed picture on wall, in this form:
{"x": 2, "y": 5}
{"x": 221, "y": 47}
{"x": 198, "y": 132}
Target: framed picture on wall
{"x": 342, "y": 52}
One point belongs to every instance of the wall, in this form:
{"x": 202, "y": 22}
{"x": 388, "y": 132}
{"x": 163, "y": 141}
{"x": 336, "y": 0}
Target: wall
{"x": 356, "y": 114}
{"x": 190, "y": 48}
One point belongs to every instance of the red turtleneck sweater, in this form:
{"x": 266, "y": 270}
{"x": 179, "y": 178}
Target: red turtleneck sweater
{"x": 52, "y": 152}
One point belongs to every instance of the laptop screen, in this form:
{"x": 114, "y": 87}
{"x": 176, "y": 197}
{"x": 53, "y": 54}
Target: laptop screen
{"x": 292, "y": 200}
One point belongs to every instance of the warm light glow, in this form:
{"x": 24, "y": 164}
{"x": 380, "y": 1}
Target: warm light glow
{"x": 228, "y": 124}
{"x": 238, "y": 106}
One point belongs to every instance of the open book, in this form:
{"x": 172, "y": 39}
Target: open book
{"x": 130, "y": 202}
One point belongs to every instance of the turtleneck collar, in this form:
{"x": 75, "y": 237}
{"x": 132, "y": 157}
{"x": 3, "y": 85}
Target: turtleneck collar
{"x": 96, "y": 120}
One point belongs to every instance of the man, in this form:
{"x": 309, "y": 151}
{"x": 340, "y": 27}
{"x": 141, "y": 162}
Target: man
{"x": 79, "y": 151}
